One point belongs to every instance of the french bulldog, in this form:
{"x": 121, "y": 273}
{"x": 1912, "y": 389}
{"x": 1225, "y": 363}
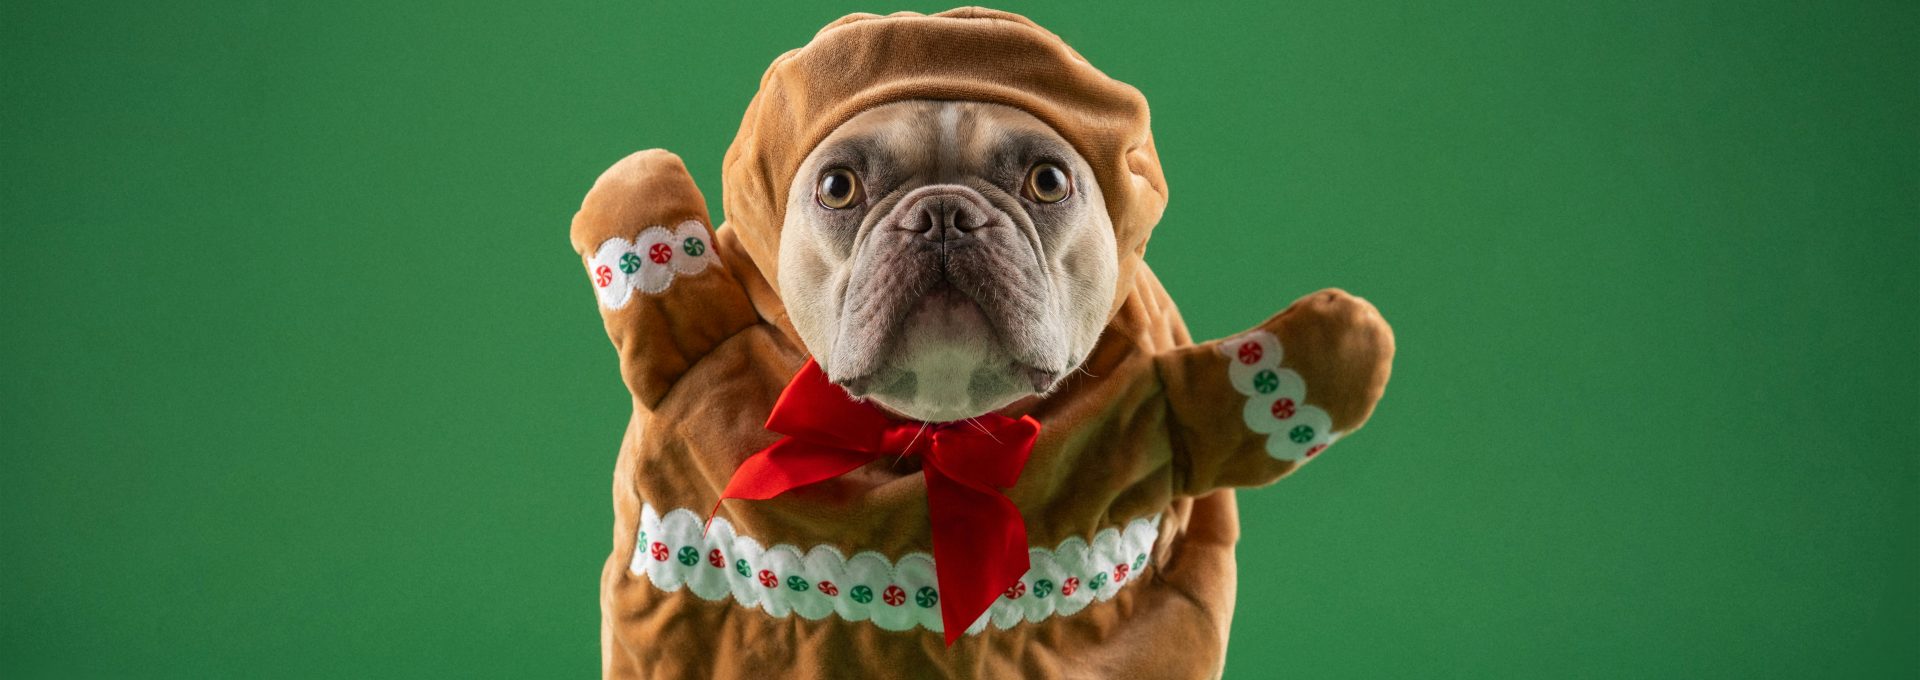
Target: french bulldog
{"x": 919, "y": 407}
{"x": 945, "y": 259}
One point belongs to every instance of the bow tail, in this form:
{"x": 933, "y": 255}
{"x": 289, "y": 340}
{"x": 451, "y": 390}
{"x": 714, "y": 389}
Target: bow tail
{"x": 979, "y": 549}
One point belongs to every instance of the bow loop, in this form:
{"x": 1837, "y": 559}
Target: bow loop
{"x": 814, "y": 409}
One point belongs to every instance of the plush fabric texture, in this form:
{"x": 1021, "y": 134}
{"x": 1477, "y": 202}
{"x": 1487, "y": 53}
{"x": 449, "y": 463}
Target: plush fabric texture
{"x": 1154, "y": 426}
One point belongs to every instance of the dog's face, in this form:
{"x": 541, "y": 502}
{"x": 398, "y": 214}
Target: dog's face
{"x": 945, "y": 259}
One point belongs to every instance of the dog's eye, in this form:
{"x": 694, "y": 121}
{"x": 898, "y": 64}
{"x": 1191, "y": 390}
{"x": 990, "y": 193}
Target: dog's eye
{"x": 1048, "y": 183}
{"x": 838, "y": 189}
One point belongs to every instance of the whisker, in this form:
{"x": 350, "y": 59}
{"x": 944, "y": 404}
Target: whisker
{"x": 916, "y": 437}
{"x": 983, "y": 430}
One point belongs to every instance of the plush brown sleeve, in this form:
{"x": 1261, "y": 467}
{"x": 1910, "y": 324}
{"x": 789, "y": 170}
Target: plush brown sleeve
{"x": 1249, "y": 409}
{"x": 648, "y": 249}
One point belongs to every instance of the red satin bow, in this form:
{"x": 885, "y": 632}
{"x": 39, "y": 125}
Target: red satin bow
{"x": 979, "y": 539}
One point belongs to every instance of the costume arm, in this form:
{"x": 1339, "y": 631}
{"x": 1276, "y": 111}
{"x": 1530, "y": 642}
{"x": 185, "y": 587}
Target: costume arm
{"x": 647, "y": 245}
{"x": 1248, "y": 410}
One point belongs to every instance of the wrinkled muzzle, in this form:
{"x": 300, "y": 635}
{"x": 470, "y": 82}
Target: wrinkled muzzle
{"x": 945, "y": 263}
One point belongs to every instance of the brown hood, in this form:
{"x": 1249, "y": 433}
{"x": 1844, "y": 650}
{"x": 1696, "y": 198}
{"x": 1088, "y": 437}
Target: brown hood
{"x": 973, "y": 54}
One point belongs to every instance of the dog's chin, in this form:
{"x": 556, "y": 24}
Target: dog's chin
{"x": 946, "y": 365}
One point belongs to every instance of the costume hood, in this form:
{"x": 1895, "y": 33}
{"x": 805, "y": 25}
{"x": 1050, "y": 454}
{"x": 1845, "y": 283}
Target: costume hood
{"x": 968, "y": 54}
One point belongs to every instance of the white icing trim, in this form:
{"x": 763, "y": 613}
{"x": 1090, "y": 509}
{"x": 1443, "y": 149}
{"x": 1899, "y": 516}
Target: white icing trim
{"x": 649, "y": 262}
{"x": 1276, "y": 398}
{"x": 895, "y": 595}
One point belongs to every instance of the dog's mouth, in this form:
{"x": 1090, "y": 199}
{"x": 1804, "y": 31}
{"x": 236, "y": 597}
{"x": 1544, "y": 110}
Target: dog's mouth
{"x": 953, "y": 327}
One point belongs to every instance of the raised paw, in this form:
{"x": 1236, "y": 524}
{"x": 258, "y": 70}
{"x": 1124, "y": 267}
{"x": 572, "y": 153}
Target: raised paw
{"x": 1312, "y": 373}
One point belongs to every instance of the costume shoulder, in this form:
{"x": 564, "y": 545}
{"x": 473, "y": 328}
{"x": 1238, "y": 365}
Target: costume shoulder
{"x": 647, "y": 245}
{"x": 1249, "y": 409}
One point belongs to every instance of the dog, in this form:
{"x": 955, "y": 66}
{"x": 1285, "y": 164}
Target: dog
{"x": 920, "y": 408}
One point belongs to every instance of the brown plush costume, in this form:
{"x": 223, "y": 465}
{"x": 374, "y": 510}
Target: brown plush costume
{"x": 1126, "y": 497}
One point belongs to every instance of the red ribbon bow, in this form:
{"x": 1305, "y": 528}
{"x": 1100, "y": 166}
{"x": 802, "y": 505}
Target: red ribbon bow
{"x": 979, "y": 539}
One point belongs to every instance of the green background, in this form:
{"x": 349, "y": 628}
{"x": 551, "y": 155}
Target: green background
{"x": 301, "y": 378}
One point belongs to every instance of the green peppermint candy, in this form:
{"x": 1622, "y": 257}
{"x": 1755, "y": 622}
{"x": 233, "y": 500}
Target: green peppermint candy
{"x": 688, "y": 556}
{"x": 1266, "y": 381}
{"x": 1098, "y": 581}
{"x": 741, "y": 566}
{"x": 693, "y": 246}
{"x": 926, "y": 597}
{"x": 1300, "y": 434}
{"x": 861, "y": 594}
{"x": 629, "y": 263}
{"x": 1042, "y": 588}
{"x": 797, "y": 584}
{"x": 1140, "y": 562}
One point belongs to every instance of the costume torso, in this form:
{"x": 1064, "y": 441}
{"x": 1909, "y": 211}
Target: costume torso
{"x": 784, "y": 583}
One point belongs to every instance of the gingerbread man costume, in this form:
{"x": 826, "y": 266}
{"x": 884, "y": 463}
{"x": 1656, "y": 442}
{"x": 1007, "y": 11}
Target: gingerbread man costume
{"x": 1126, "y": 492}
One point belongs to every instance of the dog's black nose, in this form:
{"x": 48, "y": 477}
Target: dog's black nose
{"x": 945, "y": 215}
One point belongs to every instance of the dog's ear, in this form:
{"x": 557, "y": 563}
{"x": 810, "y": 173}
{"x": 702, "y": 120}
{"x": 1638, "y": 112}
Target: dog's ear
{"x": 644, "y": 238}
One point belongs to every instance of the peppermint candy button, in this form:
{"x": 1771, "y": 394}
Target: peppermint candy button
{"x": 1042, "y": 588}
{"x": 611, "y": 282}
{"x": 656, "y": 274}
{"x": 696, "y": 251}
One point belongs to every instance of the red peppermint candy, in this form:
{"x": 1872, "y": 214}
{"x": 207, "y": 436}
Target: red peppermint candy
{"x": 1315, "y": 451}
{"x": 1119, "y": 572}
{"x": 659, "y": 551}
{"x": 660, "y": 253}
{"x": 768, "y": 579}
{"x": 602, "y": 276}
{"x": 894, "y": 596}
{"x": 827, "y": 588}
{"x": 1250, "y": 352}
{"x": 1072, "y": 584}
{"x": 716, "y": 559}
{"x": 1283, "y": 409}
{"x": 1016, "y": 590}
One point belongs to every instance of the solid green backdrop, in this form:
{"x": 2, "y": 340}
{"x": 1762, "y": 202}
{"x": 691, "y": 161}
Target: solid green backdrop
{"x": 301, "y": 378}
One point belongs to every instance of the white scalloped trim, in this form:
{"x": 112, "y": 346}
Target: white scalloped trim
{"x": 1276, "y": 398}
{"x": 649, "y": 262}
{"x": 895, "y": 595}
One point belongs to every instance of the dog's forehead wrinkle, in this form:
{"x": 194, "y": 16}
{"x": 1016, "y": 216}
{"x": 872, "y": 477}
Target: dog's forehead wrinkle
{"x": 944, "y": 132}
{"x": 1019, "y": 147}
